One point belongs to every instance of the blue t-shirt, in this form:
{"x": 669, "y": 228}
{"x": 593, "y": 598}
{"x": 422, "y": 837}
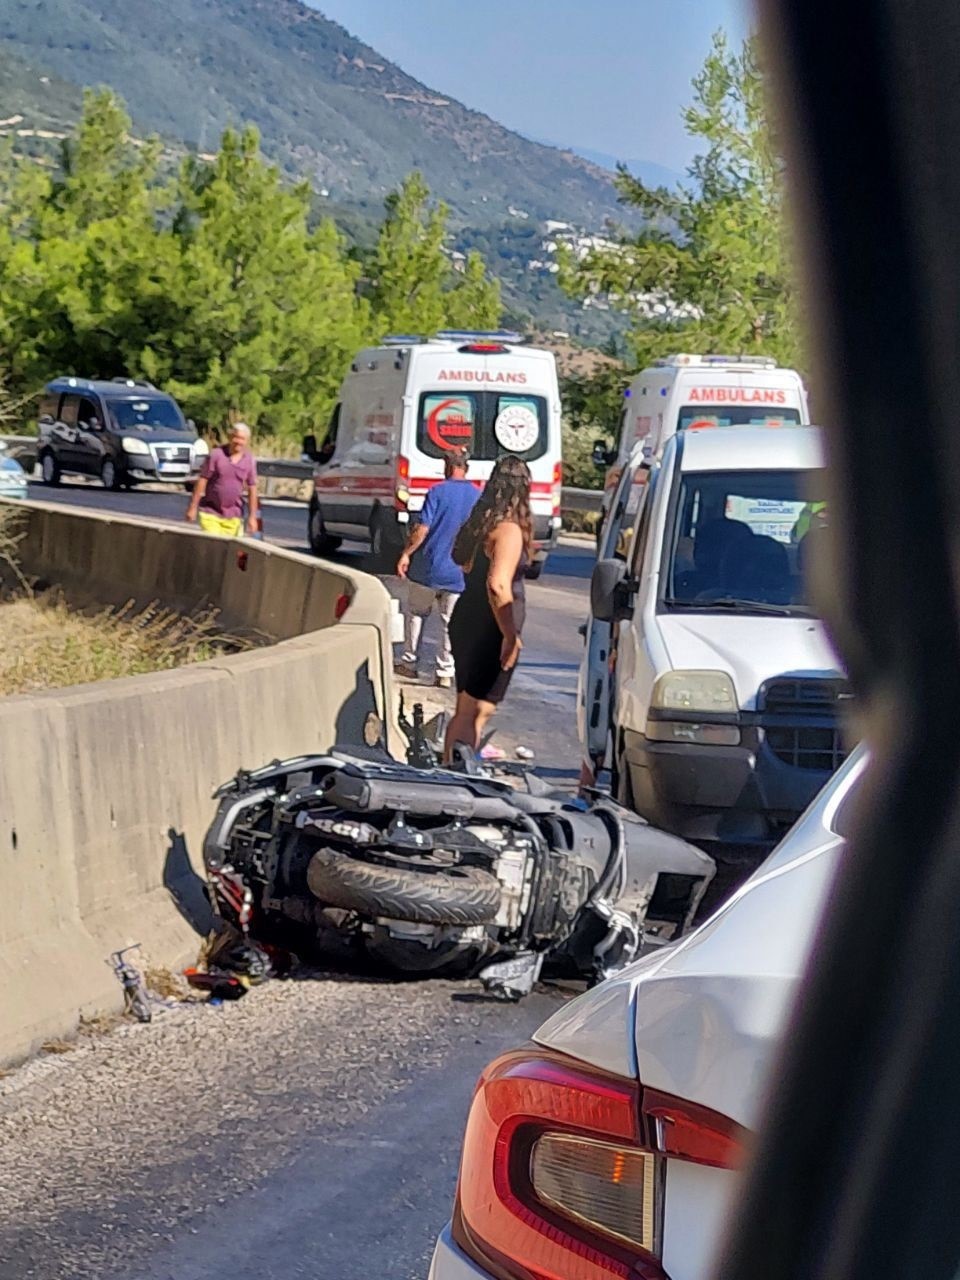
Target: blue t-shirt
{"x": 446, "y": 508}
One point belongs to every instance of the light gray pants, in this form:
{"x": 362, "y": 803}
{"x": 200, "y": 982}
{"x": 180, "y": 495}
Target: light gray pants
{"x": 417, "y": 605}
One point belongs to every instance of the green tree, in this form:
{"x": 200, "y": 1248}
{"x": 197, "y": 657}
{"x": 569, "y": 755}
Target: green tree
{"x": 267, "y": 314}
{"x": 413, "y": 285}
{"x": 77, "y": 251}
{"x": 710, "y": 270}
{"x": 474, "y": 301}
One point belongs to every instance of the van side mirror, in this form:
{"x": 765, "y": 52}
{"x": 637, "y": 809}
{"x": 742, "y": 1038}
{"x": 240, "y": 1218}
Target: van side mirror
{"x": 310, "y": 447}
{"x": 610, "y": 591}
{"x": 191, "y": 424}
{"x": 603, "y": 456}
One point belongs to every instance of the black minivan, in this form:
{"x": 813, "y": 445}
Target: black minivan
{"x": 126, "y": 432}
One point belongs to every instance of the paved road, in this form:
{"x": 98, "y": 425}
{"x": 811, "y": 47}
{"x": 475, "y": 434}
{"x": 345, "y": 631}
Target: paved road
{"x": 313, "y": 1129}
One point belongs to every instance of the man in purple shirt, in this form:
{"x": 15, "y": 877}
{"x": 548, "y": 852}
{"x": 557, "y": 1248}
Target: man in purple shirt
{"x": 229, "y": 472}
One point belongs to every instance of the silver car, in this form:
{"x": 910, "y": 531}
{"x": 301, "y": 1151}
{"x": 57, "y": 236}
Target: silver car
{"x": 610, "y": 1146}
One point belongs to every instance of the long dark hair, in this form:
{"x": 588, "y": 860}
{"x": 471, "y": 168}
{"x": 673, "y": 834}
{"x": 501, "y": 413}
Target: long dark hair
{"x": 506, "y": 496}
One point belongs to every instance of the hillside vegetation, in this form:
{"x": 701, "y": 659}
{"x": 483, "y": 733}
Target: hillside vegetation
{"x": 328, "y": 107}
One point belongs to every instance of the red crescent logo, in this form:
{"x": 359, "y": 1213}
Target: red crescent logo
{"x": 434, "y": 426}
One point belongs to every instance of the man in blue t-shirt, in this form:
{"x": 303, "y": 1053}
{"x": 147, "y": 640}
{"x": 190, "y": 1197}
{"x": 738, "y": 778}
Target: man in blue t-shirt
{"x": 427, "y": 563}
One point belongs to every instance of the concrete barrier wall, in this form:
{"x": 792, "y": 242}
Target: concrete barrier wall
{"x": 105, "y": 789}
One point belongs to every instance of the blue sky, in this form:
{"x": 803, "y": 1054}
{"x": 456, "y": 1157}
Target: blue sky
{"x": 609, "y": 75}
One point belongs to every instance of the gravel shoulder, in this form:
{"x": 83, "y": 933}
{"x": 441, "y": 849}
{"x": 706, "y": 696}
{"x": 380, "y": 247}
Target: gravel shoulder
{"x": 315, "y": 1119}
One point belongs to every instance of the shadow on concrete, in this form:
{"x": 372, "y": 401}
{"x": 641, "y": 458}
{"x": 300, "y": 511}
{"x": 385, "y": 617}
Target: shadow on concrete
{"x": 356, "y": 707}
{"x": 185, "y": 887}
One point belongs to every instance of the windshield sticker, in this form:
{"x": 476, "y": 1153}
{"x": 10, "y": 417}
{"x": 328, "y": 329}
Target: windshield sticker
{"x": 449, "y": 421}
{"x": 517, "y": 427}
{"x": 767, "y": 517}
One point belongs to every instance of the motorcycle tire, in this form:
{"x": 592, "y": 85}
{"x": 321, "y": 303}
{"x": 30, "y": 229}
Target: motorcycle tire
{"x": 465, "y": 895}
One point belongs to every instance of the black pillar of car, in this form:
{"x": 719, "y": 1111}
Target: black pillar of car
{"x": 859, "y": 1146}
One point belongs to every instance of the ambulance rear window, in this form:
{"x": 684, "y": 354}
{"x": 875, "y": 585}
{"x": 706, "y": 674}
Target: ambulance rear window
{"x": 702, "y": 416}
{"x": 488, "y": 423}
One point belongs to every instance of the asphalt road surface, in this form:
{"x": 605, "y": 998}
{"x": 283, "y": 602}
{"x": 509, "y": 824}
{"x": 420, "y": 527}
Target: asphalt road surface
{"x": 312, "y": 1129}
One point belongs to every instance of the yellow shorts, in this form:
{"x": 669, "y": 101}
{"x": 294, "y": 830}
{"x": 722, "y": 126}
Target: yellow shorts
{"x": 221, "y": 526}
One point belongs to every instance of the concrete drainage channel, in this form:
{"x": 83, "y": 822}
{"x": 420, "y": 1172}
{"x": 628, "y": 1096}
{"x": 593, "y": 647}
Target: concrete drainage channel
{"x": 105, "y": 788}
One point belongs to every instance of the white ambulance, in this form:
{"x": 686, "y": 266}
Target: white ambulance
{"x": 403, "y": 405}
{"x": 683, "y": 391}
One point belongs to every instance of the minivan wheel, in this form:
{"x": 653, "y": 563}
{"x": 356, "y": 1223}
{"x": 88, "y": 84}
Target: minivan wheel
{"x": 386, "y": 543}
{"x": 49, "y": 469}
{"x": 321, "y": 542}
{"x": 109, "y": 475}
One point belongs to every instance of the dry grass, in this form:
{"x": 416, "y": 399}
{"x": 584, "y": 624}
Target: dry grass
{"x": 581, "y": 521}
{"x": 98, "y": 1024}
{"x": 45, "y": 645}
{"x": 58, "y": 1046}
{"x": 166, "y": 984}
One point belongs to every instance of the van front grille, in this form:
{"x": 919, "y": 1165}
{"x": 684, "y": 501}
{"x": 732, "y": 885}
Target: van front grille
{"x": 802, "y": 721}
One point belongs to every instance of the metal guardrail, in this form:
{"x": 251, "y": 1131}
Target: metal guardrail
{"x": 24, "y": 448}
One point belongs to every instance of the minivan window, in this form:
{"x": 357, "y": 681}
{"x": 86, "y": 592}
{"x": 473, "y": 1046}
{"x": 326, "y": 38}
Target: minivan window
{"x": 68, "y": 410}
{"x": 145, "y": 414}
{"x": 704, "y": 417}
{"x": 87, "y": 412}
{"x": 48, "y": 406}
{"x": 740, "y": 541}
{"x": 488, "y": 423}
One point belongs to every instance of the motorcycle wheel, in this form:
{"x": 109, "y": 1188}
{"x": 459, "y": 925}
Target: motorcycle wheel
{"x": 464, "y": 895}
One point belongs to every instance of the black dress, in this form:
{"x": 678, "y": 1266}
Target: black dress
{"x": 476, "y": 639}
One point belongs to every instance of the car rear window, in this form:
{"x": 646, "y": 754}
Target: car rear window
{"x": 488, "y": 423}
{"x": 711, "y": 415}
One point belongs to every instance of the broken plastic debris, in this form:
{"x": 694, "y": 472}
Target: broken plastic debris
{"x": 525, "y": 753}
{"x": 490, "y": 752}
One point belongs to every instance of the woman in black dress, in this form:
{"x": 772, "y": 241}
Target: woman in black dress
{"x": 494, "y": 547}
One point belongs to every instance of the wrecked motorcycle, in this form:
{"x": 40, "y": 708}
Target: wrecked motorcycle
{"x": 434, "y": 871}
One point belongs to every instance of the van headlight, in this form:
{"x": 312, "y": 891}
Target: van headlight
{"x": 200, "y": 447}
{"x": 131, "y": 444}
{"x": 686, "y": 694}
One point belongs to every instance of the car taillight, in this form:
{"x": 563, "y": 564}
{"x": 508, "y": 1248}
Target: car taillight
{"x": 402, "y": 496}
{"x": 685, "y": 1131}
{"x": 557, "y": 485}
{"x": 563, "y": 1169}
{"x": 556, "y": 1181}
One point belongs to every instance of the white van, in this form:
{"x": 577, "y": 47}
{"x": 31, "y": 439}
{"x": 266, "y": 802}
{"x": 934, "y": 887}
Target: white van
{"x": 727, "y": 695}
{"x": 680, "y": 391}
{"x": 404, "y": 404}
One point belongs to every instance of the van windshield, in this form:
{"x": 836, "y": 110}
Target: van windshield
{"x": 145, "y": 414}
{"x": 488, "y": 423}
{"x": 703, "y": 416}
{"x": 741, "y": 541}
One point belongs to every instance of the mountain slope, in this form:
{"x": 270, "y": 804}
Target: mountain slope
{"x": 328, "y": 107}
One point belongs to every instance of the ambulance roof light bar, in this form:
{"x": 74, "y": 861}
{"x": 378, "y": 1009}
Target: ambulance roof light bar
{"x": 756, "y": 362}
{"x": 478, "y": 335}
{"x": 402, "y": 340}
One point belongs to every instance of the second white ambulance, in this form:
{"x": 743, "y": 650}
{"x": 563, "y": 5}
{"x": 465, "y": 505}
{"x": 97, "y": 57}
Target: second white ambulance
{"x": 683, "y": 391}
{"x": 404, "y": 405}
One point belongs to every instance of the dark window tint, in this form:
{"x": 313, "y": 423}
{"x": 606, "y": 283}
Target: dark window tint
{"x": 146, "y": 413}
{"x": 742, "y": 538}
{"x": 69, "y": 410}
{"x": 87, "y": 412}
{"x": 488, "y": 423}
